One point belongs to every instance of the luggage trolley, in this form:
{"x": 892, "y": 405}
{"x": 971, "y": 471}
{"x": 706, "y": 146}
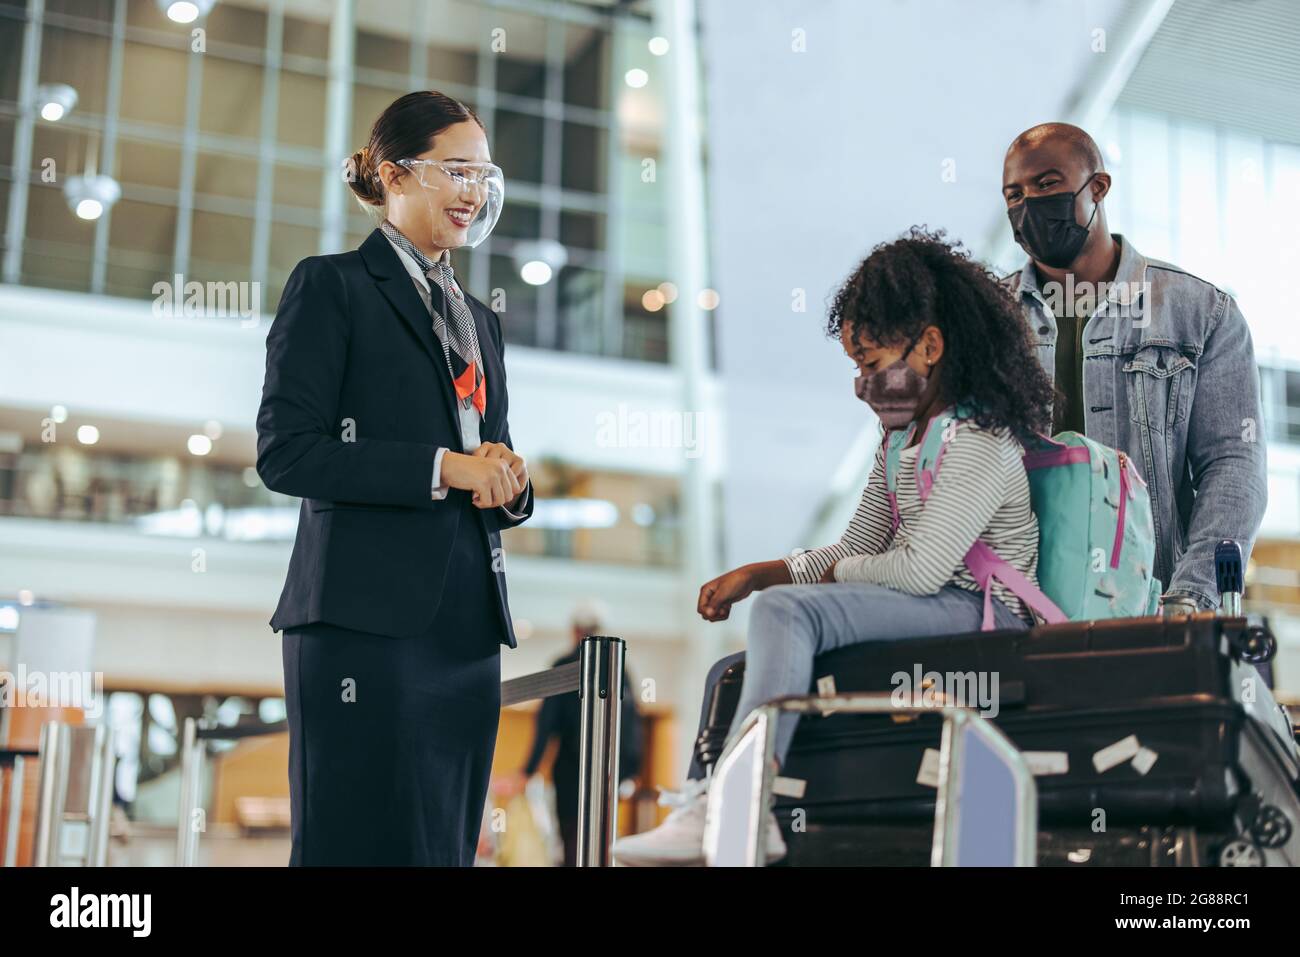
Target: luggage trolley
{"x": 986, "y": 813}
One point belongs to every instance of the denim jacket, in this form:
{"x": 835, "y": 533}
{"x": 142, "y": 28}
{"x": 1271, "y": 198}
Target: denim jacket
{"x": 1169, "y": 378}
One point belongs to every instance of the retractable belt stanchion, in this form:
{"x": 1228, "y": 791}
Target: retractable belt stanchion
{"x": 75, "y": 796}
{"x": 601, "y": 694}
{"x": 187, "y": 826}
{"x": 189, "y": 817}
{"x": 10, "y": 858}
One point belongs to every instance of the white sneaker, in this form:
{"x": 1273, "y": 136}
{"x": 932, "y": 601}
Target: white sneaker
{"x": 679, "y": 840}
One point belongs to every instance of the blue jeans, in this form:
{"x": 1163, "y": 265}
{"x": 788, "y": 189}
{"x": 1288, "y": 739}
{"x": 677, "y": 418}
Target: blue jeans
{"x": 792, "y": 624}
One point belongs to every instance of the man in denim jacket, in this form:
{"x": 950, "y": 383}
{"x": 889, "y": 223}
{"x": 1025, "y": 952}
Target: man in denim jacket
{"x": 1149, "y": 359}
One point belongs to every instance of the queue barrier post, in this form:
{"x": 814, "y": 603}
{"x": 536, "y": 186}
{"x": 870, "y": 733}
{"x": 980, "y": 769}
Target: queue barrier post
{"x": 18, "y": 764}
{"x": 601, "y": 694}
{"x": 75, "y": 796}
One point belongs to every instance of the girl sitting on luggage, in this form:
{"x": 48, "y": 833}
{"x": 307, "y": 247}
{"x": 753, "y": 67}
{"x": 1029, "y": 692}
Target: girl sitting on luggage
{"x": 929, "y": 330}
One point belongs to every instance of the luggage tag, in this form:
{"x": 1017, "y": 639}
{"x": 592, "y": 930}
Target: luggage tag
{"x": 826, "y": 689}
{"x": 789, "y": 787}
{"x": 928, "y": 774}
{"x": 1116, "y": 754}
{"x": 1047, "y": 763}
{"x": 1143, "y": 760}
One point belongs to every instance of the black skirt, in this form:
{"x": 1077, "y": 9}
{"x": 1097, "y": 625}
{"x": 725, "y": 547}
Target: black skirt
{"x": 391, "y": 739}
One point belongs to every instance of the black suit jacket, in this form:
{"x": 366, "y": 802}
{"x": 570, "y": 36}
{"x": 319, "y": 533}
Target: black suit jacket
{"x": 356, "y": 402}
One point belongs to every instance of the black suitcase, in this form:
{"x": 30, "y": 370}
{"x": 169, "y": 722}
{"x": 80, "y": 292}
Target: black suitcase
{"x": 1223, "y": 779}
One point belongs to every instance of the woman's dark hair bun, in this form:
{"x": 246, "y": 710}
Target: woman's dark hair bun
{"x": 359, "y": 173}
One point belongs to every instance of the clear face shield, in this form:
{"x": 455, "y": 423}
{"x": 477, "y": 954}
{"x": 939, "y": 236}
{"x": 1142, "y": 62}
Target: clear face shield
{"x": 464, "y": 199}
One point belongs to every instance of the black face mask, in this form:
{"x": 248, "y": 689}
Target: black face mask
{"x": 1045, "y": 227}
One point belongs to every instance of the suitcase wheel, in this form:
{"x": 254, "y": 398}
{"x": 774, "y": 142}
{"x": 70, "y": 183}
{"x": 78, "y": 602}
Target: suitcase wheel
{"x": 1271, "y": 827}
{"x": 1240, "y": 853}
{"x": 1255, "y": 645}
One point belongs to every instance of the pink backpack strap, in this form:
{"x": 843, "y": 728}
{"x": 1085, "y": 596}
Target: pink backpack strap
{"x": 985, "y": 565}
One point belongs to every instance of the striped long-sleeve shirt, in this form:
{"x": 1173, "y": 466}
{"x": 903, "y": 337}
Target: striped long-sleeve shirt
{"x": 981, "y": 491}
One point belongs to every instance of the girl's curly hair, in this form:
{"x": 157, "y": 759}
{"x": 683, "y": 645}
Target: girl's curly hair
{"x": 920, "y": 280}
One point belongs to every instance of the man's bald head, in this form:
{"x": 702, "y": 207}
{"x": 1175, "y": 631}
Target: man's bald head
{"x": 1064, "y": 134}
{"x": 1049, "y": 158}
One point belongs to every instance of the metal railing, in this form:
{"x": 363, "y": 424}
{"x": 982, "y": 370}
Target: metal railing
{"x": 74, "y": 797}
{"x": 736, "y": 824}
{"x": 597, "y": 676}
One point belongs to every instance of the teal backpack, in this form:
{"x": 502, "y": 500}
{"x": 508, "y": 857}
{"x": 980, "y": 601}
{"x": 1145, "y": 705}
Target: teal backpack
{"x": 1096, "y": 537}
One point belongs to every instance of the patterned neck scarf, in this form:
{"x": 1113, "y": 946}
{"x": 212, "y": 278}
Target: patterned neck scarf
{"x": 459, "y": 337}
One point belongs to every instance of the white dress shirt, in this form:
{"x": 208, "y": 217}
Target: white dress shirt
{"x": 470, "y": 420}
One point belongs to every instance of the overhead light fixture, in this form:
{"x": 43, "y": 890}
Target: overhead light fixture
{"x": 636, "y": 78}
{"x": 59, "y": 413}
{"x": 90, "y": 194}
{"x": 87, "y": 434}
{"x": 658, "y": 45}
{"x": 539, "y": 260}
{"x": 54, "y": 101}
{"x": 199, "y": 445}
{"x": 185, "y": 11}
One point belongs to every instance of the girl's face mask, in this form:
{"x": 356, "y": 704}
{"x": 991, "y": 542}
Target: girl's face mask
{"x": 893, "y": 392}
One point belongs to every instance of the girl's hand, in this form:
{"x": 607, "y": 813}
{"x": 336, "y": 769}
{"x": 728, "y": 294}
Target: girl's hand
{"x": 828, "y": 576}
{"x": 717, "y": 596}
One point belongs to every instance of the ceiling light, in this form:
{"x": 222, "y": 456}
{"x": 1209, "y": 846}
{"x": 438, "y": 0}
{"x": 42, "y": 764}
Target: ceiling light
{"x": 636, "y": 78}
{"x": 535, "y": 272}
{"x": 185, "y": 11}
{"x": 539, "y": 260}
{"x": 90, "y": 194}
{"x": 54, "y": 101}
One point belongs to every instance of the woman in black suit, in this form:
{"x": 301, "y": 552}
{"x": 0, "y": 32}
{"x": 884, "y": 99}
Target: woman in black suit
{"x": 385, "y": 409}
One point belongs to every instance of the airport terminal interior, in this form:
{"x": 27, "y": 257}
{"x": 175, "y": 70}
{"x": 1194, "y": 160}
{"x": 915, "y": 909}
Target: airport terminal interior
{"x": 687, "y": 184}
